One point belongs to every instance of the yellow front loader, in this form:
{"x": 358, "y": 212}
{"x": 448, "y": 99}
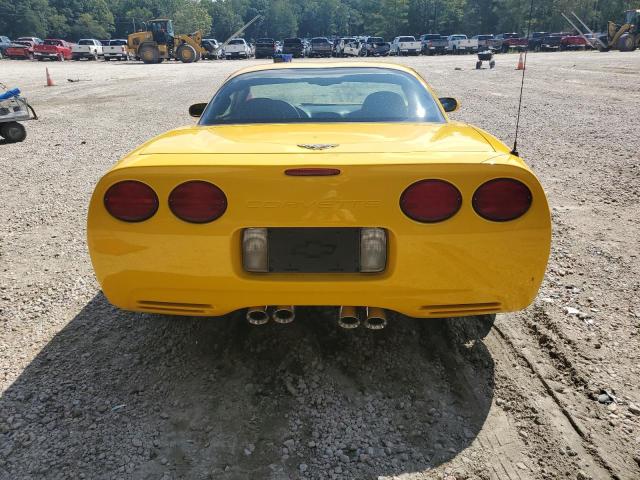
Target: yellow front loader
{"x": 159, "y": 42}
{"x": 625, "y": 37}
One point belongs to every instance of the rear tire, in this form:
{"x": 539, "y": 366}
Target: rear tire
{"x": 13, "y": 132}
{"x": 187, "y": 54}
{"x": 149, "y": 54}
{"x": 625, "y": 43}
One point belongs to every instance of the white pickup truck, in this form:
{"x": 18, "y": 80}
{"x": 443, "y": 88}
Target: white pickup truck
{"x": 461, "y": 44}
{"x": 237, "y": 48}
{"x": 88, "y": 48}
{"x": 405, "y": 46}
{"x": 116, "y": 49}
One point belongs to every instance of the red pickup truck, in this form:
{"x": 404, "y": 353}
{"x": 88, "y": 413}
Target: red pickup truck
{"x": 506, "y": 41}
{"x": 570, "y": 41}
{"x": 53, "y": 49}
{"x": 20, "y": 49}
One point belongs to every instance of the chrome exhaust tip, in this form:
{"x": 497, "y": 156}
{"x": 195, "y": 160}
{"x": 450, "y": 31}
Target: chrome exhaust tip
{"x": 376, "y": 318}
{"x": 348, "y": 318}
{"x": 284, "y": 314}
{"x": 257, "y": 315}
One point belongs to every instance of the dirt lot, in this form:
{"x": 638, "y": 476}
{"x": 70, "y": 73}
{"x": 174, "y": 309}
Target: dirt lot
{"x": 88, "y": 391}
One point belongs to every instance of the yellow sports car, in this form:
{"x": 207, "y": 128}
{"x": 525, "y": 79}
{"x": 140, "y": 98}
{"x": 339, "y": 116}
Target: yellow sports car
{"x": 321, "y": 184}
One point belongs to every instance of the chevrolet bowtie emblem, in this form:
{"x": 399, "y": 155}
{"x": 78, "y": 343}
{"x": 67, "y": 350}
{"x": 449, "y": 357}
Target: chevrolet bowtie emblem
{"x": 318, "y": 146}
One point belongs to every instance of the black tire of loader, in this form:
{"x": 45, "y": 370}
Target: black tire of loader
{"x": 149, "y": 53}
{"x": 186, "y": 54}
{"x": 625, "y": 43}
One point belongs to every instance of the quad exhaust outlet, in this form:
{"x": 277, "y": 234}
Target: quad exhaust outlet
{"x": 348, "y": 318}
{"x": 284, "y": 314}
{"x": 257, "y": 315}
{"x": 376, "y": 318}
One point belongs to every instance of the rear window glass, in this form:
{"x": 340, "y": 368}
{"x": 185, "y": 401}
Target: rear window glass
{"x": 375, "y": 40}
{"x": 265, "y": 40}
{"x": 319, "y": 40}
{"x": 291, "y": 41}
{"x": 117, "y": 42}
{"x": 348, "y": 94}
{"x": 85, "y": 42}
{"x": 52, "y": 42}
{"x": 406, "y": 39}
{"x": 236, "y": 42}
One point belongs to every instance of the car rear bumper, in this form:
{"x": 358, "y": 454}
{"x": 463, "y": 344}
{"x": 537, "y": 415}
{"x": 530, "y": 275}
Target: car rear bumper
{"x": 463, "y": 266}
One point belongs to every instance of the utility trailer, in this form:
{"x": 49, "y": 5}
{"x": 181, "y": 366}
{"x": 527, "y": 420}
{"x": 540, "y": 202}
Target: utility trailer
{"x": 14, "y": 109}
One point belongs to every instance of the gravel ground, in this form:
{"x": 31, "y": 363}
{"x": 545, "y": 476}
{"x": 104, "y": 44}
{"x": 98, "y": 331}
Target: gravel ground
{"x": 88, "y": 391}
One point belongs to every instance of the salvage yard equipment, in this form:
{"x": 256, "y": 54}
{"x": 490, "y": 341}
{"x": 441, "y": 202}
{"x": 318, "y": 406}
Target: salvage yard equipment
{"x": 486, "y": 56}
{"x": 14, "y": 109}
{"x": 159, "y": 43}
{"x": 626, "y": 36}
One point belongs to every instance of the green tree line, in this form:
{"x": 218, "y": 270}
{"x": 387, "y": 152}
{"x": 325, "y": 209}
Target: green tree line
{"x": 73, "y": 19}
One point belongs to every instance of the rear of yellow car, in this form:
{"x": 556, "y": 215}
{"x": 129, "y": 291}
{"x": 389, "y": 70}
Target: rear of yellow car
{"x": 426, "y": 220}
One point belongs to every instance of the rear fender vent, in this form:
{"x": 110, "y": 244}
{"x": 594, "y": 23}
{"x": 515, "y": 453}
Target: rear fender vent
{"x": 174, "y": 307}
{"x": 462, "y": 308}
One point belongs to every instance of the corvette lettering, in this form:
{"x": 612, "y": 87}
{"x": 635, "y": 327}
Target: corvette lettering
{"x": 337, "y": 204}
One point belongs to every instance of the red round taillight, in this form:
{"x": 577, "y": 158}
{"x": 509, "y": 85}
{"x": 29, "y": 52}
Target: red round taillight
{"x": 502, "y": 199}
{"x": 131, "y": 201}
{"x": 197, "y": 201}
{"x": 430, "y": 201}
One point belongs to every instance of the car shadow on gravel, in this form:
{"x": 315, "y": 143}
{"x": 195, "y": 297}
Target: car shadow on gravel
{"x": 119, "y": 394}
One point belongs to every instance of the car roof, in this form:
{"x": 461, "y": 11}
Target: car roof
{"x": 323, "y": 65}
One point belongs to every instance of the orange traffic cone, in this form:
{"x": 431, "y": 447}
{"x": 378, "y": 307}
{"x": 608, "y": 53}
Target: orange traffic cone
{"x": 49, "y": 80}
{"x": 520, "y": 62}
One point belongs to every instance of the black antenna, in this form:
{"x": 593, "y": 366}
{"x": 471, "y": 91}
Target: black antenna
{"x": 514, "y": 150}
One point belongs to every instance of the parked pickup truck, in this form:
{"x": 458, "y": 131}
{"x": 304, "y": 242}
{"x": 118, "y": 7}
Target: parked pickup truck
{"x": 293, "y": 46}
{"x": 52, "y": 49}
{"x": 433, "y": 44}
{"x": 459, "y": 43}
{"x": 265, "y": 48}
{"x": 88, "y": 48}
{"x": 116, "y": 48}
{"x": 535, "y": 40}
{"x": 405, "y": 46}
{"x": 320, "y": 47}
{"x": 20, "y": 49}
{"x": 550, "y": 42}
{"x": 483, "y": 43}
{"x": 237, "y": 48}
{"x": 570, "y": 41}
{"x": 354, "y": 48}
{"x": 504, "y": 42}
{"x": 376, "y": 47}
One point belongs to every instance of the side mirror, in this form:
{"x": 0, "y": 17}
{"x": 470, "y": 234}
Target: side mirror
{"x": 449, "y": 104}
{"x": 196, "y": 109}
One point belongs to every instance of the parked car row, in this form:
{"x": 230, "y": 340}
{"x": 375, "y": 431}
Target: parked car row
{"x": 355, "y": 46}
